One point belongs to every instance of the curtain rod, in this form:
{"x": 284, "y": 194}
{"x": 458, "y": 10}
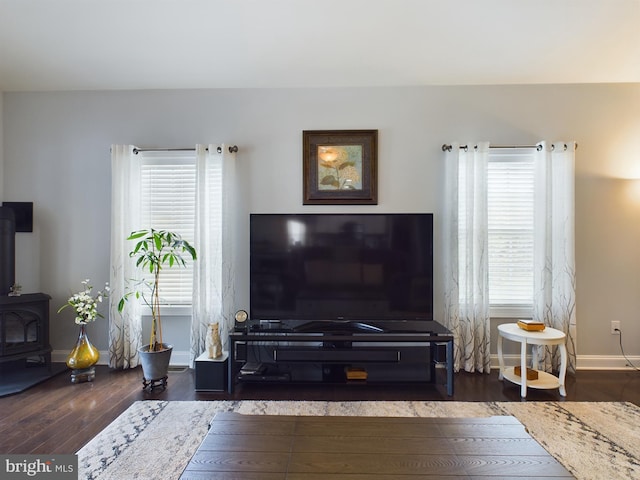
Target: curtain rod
{"x": 232, "y": 149}
{"x": 538, "y": 147}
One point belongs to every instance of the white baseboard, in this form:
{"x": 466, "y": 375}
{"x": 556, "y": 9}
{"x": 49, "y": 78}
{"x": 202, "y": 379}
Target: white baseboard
{"x": 607, "y": 362}
{"x": 584, "y": 362}
{"x": 179, "y": 358}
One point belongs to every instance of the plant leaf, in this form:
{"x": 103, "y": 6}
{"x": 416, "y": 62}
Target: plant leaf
{"x": 346, "y": 164}
{"x": 135, "y": 235}
{"x": 329, "y": 180}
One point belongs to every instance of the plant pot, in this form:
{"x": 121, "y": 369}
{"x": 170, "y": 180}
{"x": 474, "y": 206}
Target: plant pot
{"x": 155, "y": 365}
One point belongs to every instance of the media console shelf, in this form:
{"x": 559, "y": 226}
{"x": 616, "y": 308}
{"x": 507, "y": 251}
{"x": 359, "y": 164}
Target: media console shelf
{"x": 293, "y": 344}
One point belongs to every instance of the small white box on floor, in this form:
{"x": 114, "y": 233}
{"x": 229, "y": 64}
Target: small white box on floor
{"x": 211, "y": 373}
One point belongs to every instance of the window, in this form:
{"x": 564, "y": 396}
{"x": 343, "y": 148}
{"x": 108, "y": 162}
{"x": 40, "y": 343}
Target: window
{"x": 168, "y": 183}
{"x": 510, "y": 230}
{"x": 510, "y": 180}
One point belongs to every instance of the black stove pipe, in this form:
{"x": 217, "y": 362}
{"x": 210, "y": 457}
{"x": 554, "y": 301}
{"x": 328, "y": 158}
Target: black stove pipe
{"x": 7, "y": 250}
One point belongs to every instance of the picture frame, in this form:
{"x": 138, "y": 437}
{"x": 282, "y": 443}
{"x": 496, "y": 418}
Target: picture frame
{"x": 340, "y": 167}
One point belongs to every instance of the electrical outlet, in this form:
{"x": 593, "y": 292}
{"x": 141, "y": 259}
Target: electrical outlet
{"x": 615, "y": 327}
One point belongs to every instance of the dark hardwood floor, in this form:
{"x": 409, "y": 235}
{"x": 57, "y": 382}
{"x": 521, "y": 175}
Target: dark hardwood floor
{"x": 57, "y": 417}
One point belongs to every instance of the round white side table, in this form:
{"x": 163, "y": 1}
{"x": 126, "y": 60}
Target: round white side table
{"x": 548, "y": 336}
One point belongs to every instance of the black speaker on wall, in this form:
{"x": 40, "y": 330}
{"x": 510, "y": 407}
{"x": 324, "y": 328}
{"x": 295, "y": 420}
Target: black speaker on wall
{"x": 23, "y": 213}
{"x": 7, "y": 249}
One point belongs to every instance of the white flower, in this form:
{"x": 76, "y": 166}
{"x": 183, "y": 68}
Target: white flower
{"x": 85, "y": 305}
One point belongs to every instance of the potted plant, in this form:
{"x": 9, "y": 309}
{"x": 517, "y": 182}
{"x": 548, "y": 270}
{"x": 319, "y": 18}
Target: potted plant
{"x": 154, "y": 251}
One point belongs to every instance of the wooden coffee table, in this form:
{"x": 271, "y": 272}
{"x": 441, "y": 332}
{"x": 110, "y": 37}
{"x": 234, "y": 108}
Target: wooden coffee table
{"x": 264, "y": 447}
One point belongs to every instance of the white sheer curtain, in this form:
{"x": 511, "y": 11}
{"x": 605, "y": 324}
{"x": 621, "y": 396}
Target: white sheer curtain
{"x": 554, "y": 250}
{"x": 466, "y": 262}
{"x": 125, "y": 330}
{"x": 213, "y": 282}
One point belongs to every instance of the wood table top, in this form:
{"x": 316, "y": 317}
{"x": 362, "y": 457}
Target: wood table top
{"x": 270, "y": 447}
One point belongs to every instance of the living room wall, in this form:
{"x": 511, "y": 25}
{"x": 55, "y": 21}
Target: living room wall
{"x": 56, "y": 154}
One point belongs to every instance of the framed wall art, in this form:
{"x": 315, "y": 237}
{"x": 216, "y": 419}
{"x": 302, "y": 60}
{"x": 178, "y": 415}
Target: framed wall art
{"x": 340, "y": 167}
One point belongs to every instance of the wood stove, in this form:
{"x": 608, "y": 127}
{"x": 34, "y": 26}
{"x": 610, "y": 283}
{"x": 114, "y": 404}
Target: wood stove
{"x": 24, "y": 319}
{"x": 24, "y": 328}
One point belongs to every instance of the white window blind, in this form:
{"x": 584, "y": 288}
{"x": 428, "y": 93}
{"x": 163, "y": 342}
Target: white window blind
{"x": 168, "y": 181}
{"x": 510, "y": 221}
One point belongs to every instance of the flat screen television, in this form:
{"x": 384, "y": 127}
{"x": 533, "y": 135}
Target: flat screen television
{"x": 341, "y": 267}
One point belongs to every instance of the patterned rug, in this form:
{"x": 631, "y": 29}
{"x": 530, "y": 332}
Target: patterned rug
{"x": 155, "y": 439}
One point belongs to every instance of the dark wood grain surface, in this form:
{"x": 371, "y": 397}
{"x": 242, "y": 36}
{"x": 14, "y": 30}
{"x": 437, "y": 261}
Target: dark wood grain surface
{"x": 296, "y": 447}
{"x": 60, "y": 417}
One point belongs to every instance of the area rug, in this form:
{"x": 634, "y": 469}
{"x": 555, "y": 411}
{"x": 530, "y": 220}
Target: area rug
{"x": 155, "y": 439}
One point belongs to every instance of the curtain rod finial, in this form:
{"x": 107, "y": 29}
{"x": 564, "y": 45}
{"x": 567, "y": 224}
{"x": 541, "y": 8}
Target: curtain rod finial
{"x": 232, "y": 149}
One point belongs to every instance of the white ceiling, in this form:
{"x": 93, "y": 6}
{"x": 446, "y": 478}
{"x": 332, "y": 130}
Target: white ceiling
{"x": 143, "y": 44}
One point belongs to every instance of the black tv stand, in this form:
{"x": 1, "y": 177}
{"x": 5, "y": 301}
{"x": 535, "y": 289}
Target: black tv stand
{"x": 337, "y": 326}
{"x": 336, "y": 350}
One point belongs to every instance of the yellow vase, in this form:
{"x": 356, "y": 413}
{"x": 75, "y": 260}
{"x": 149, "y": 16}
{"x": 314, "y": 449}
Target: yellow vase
{"x": 84, "y": 355}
